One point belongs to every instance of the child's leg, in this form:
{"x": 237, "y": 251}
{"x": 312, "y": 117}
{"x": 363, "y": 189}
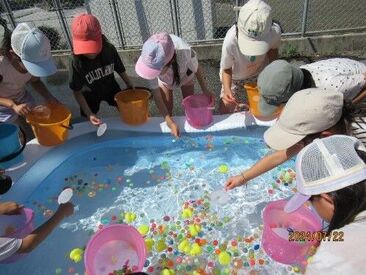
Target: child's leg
{"x": 167, "y": 95}
{"x": 187, "y": 89}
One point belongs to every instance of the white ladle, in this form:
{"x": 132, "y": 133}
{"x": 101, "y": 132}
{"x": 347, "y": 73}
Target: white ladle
{"x": 101, "y": 129}
{"x": 65, "y": 196}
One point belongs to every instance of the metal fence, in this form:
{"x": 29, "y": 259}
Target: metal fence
{"x": 127, "y": 23}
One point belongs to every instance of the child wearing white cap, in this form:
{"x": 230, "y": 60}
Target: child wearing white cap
{"x": 25, "y": 57}
{"x": 331, "y": 174}
{"x": 248, "y": 47}
{"x": 309, "y": 114}
{"x": 169, "y": 62}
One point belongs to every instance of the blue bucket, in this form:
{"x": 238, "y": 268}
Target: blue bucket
{"x": 10, "y": 145}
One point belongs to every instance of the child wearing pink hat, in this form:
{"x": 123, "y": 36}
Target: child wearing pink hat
{"x": 169, "y": 62}
{"x": 93, "y": 65}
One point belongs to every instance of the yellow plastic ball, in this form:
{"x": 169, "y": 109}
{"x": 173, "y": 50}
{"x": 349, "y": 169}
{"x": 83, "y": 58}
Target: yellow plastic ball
{"x": 149, "y": 244}
{"x": 184, "y": 246}
{"x": 223, "y": 169}
{"x": 195, "y": 250}
{"x": 194, "y": 229}
{"x": 130, "y": 217}
{"x": 187, "y": 213}
{"x": 143, "y": 229}
{"x": 224, "y": 258}
{"x": 167, "y": 271}
{"x": 76, "y": 255}
{"x": 160, "y": 246}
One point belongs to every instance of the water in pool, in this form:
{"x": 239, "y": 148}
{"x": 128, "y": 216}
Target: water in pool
{"x": 152, "y": 180}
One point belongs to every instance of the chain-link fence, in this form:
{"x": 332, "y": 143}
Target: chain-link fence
{"x": 127, "y": 23}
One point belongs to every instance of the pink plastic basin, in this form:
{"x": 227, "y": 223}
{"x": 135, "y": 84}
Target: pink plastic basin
{"x": 112, "y": 247}
{"x": 198, "y": 109}
{"x": 16, "y": 226}
{"x": 276, "y": 222}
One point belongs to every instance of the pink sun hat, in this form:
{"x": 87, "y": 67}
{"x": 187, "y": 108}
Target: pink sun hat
{"x": 156, "y": 52}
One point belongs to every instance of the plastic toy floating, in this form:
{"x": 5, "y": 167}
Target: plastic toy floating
{"x": 115, "y": 247}
{"x": 278, "y": 224}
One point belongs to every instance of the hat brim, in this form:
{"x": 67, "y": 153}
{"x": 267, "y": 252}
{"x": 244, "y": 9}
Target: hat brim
{"x": 278, "y": 139}
{"x": 87, "y": 47}
{"x": 40, "y": 69}
{"x": 144, "y": 71}
{"x": 296, "y": 202}
{"x": 265, "y": 108}
{"x": 252, "y": 47}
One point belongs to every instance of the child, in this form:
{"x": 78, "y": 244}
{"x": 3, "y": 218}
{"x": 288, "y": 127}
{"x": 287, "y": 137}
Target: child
{"x": 25, "y": 56}
{"x": 248, "y": 47}
{"x": 170, "y": 63}
{"x": 331, "y": 174}
{"x": 309, "y": 114}
{"x": 10, "y": 246}
{"x": 280, "y": 80}
{"x": 93, "y": 65}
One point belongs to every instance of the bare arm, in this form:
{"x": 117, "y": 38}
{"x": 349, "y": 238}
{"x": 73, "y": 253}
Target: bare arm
{"x": 164, "y": 112}
{"x": 21, "y": 109}
{"x": 226, "y": 82}
{"x": 263, "y": 165}
{"x": 201, "y": 80}
{"x": 31, "y": 241}
{"x": 85, "y": 107}
{"x": 126, "y": 79}
{"x": 360, "y": 97}
{"x": 39, "y": 86}
{"x": 272, "y": 55}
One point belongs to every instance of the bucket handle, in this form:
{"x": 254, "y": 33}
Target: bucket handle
{"x": 15, "y": 154}
{"x": 69, "y": 127}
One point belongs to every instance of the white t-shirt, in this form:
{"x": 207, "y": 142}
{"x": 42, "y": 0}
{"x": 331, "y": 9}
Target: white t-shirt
{"x": 340, "y": 74}
{"x": 8, "y": 247}
{"x": 241, "y": 65}
{"x": 347, "y": 257}
{"x": 13, "y": 83}
{"x": 12, "y": 86}
{"x": 187, "y": 64}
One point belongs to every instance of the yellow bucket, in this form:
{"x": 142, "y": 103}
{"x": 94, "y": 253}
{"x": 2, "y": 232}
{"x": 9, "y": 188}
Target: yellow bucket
{"x": 50, "y": 128}
{"x": 133, "y": 105}
{"x": 253, "y": 98}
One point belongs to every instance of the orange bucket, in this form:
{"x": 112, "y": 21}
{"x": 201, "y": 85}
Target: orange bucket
{"x": 50, "y": 123}
{"x": 253, "y": 98}
{"x": 133, "y": 105}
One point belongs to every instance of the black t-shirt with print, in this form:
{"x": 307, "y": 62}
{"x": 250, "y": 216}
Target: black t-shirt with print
{"x": 97, "y": 74}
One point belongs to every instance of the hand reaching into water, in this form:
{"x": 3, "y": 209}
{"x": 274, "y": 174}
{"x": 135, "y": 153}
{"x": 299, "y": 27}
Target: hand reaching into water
{"x": 174, "y": 130}
{"x": 234, "y": 182}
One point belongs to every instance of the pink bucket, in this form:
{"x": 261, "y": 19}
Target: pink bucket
{"x": 198, "y": 109}
{"x": 16, "y": 226}
{"x": 113, "y": 247}
{"x": 276, "y": 236}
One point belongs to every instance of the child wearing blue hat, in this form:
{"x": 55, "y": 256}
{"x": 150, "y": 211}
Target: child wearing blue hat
{"x": 25, "y": 57}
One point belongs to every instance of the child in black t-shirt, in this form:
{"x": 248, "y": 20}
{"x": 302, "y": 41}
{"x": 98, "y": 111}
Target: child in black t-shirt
{"x": 93, "y": 65}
